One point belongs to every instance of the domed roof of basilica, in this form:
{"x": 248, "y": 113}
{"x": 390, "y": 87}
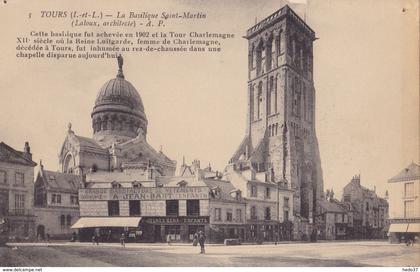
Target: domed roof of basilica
{"x": 119, "y": 91}
{"x": 118, "y": 113}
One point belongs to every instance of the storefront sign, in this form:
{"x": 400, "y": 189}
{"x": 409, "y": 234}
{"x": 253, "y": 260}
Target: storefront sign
{"x": 147, "y": 193}
{"x": 177, "y": 220}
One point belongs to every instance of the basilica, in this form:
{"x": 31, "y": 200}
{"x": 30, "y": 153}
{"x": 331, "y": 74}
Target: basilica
{"x": 119, "y": 142}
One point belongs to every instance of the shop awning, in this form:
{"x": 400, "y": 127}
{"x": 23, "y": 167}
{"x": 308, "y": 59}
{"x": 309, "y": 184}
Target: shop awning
{"x": 97, "y": 222}
{"x": 414, "y": 227}
{"x": 398, "y": 228}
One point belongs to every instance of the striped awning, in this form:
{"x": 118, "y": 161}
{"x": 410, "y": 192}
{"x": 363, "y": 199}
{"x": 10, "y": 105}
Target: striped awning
{"x": 398, "y": 228}
{"x": 97, "y": 222}
{"x": 413, "y": 227}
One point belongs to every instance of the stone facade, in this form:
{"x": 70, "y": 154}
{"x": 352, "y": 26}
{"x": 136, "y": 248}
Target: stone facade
{"x": 56, "y": 204}
{"x": 16, "y": 193}
{"x": 280, "y": 140}
{"x": 370, "y": 211}
{"x": 404, "y": 204}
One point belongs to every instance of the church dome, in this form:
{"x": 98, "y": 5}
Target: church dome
{"x": 119, "y": 91}
{"x": 118, "y": 113}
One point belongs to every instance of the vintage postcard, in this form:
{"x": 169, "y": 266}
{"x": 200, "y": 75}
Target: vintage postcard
{"x": 185, "y": 133}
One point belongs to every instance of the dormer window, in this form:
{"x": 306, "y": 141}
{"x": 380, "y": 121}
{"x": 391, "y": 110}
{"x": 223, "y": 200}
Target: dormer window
{"x": 136, "y": 184}
{"x": 182, "y": 183}
{"x": 115, "y": 184}
{"x": 237, "y": 194}
{"x": 215, "y": 192}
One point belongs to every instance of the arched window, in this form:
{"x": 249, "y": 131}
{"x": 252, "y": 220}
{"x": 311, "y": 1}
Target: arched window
{"x": 268, "y": 54}
{"x": 63, "y": 220}
{"x": 276, "y": 126}
{"x": 259, "y": 57}
{"x": 275, "y": 96}
{"x": 269, "y": 130}
{"x": 259, "y": 100}
{"x": 68, "y": 164}
{"x": 251, "y": 102}
{"x": 281, "y": 42}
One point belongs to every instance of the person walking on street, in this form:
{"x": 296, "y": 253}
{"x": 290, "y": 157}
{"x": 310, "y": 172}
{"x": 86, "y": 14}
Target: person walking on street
{"x": 201, "y": 240}
{"x": 168, "y": 239}
{"x": 122, "y": 239}
{"x": 195, "y": 239}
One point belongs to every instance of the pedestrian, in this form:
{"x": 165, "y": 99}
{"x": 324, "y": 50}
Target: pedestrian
{"x": 48, "y": 237}
{"x": 93, "y": 239}
{"x": 276, "y": 237}
{"x": 122, "y": 239}
{"x": 201, "y": 240}
{"x": 195, "y": 239}
{"x": 168, "y": 239}
{"x": 97, "y": 239}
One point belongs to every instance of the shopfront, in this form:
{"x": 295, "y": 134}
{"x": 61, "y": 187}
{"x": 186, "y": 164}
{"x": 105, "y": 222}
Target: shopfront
{"x": 175, "y": 229}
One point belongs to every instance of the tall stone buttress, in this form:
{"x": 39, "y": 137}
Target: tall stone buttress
{"x": 280, "y": 138}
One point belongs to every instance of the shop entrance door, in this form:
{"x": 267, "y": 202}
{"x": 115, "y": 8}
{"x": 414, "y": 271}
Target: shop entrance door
{"x": 158, "y": 237}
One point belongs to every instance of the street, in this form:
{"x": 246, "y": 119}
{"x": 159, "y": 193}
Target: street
{"x": 360, "y": 253}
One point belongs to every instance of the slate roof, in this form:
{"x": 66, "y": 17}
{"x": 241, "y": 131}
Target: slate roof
{"x": 10, "y": 155}
{"x": 88, "y": 143}
{"x": 225, "y": 188}
{"x": 61, "y": 181}
{"x": 331, "y": 206}
{"x": 412, "y": 172}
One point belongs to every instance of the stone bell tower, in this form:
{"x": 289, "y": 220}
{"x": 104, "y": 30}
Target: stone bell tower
{"x": 280, "y": 138}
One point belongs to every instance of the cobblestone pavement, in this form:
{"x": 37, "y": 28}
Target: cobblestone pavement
{"x": 365, "y": 253}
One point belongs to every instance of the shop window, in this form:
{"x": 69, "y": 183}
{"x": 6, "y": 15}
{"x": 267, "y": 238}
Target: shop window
{"x": 172, "y": 208}
{"x": 193, "y": 207}
{"x": 229, "y": 216}
{"x": 3, "y": 177}
{"x": 174, "y": 232}
{"x": 134, "y": 207}
{"x": 218, "y": 214}
{"x": 113, "y": 208}
{"x": 19, "y": 179}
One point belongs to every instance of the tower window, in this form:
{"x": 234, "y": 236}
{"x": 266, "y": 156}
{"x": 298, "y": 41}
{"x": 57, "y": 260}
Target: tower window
{"x": 259, "y": 100}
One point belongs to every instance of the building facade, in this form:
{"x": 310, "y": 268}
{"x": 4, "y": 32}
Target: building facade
{"x": 404, "y": 204}
{"x": 335, "y": 218}
{"x": 16, "y": 192}
{"x": 269, "y": 205}
{"x": 370, "y": 211}
{"x": 280, "y": 140}
{"x": 56, "y": 204}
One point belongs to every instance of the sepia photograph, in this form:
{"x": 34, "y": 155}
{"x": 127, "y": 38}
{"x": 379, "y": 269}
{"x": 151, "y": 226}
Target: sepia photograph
{"x": 192, "y": 133}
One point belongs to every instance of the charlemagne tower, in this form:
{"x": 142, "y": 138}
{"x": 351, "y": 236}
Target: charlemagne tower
{"x": 280, "y": 139}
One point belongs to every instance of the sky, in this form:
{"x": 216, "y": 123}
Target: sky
{"x": 365, "y": 75}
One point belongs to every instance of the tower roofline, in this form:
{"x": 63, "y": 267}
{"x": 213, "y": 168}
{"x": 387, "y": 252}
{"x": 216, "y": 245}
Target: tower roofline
{"x": 274, "y": 18}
